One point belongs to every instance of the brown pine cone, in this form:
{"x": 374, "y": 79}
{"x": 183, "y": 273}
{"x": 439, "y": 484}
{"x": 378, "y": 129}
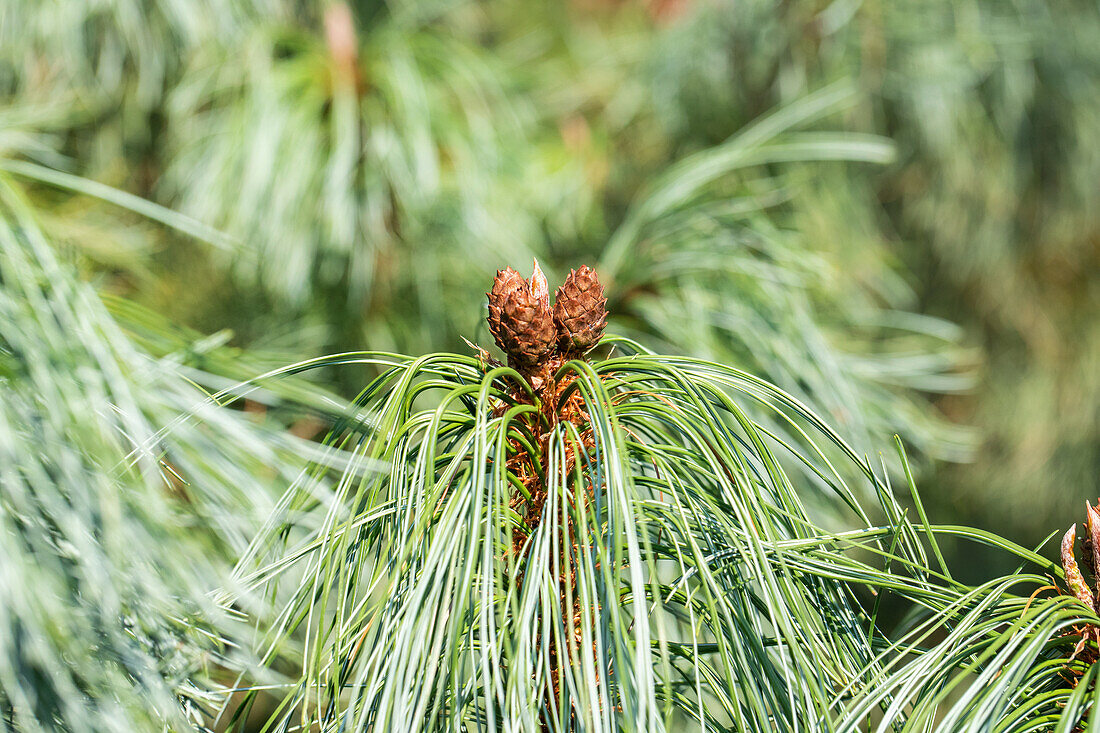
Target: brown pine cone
{"x": 520, "y": 318}
{"x": 580, "y": 310}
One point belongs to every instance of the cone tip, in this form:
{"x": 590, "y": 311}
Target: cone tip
{"x": 537, "y": 285}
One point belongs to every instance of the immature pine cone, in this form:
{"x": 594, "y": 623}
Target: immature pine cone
{"x": 520, "y": 318}
{"x": 1090, "y": 549}
{"x": 580, "y": 310}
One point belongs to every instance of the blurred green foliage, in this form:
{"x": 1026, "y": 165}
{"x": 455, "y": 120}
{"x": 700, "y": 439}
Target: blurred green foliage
{"x": 374, "y": 165}
{"x": 109, "y": 555}
{"x": 888, "y": 208}
{"x": 991, "y": 205}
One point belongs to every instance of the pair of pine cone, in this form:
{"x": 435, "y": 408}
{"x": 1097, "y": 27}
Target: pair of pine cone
{"x": 530, "y": 331}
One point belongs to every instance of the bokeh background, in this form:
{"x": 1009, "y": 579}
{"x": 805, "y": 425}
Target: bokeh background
{"x": 890, "y": 208}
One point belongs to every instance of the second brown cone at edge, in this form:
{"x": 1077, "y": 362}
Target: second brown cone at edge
{"x": 530, "y": 332}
